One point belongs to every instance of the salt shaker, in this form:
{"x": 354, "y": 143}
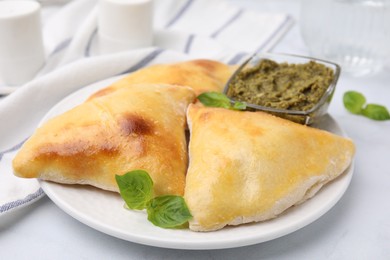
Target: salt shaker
{"x": 124, "y": 25}
{"x": 21, "y": 44}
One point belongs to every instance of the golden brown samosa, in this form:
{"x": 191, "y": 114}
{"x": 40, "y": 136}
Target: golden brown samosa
{"x": 138, "y": 127}
{"x": 200, "y": 75}
{"x": 251, "y": 166}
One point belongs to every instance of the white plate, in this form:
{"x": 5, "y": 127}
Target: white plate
{"x": 104, "y": 210}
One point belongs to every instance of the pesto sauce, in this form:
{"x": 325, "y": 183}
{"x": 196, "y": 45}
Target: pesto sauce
{"x": 281, "y": 85}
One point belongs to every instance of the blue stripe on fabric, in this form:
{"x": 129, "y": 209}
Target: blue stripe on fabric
{"x": 142, "y": 63}
{"x": 281, "y": 26}
{"x": 87, "y": 52}
{"x": 12, "y": 149}
{"x": 179, "y": 14}
{"x": 227, "y": 23}
{"x": 62, "y": 45}
{"x": 236, "y": 58}
{"x": 190, "y": 39}
{"x": 10, "y": 205}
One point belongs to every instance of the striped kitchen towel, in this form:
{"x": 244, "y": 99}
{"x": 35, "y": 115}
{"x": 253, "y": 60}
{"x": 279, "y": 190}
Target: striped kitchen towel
{"x": 184, "y": 29}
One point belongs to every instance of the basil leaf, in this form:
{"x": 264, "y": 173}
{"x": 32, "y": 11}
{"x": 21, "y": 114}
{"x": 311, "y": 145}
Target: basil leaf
{"x": 168, "y": 211}
{"x": 136, "y": 188}
{"x": 354, "y": 101}
{"x": 376, "y": 112}
{"x": 214, "y": 99}
{"x": 239, "y": 106}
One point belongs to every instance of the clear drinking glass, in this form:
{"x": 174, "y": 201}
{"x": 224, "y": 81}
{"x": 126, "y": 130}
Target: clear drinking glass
{"x": 352, "y": 33}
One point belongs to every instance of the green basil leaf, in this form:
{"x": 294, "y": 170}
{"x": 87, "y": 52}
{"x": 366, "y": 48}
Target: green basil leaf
{"x": 136, "y": 188}
{"x": 376, "y": 112}
{"x": 214, "y": 99}
{"x": 354, "y": 101}
{"x": 239, "y": 105}
{"x": 168, "y": 211}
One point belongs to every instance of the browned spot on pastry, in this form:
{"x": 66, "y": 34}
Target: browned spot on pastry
{"x": 131, "y": 124}
{"x": 77, "y": 147}
{"x": 102, "y": 92}
{"x": 204, "y": 117}
{"x": 208, "y": 65}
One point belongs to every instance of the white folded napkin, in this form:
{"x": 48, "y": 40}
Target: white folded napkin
{"x": 184, "y": 29}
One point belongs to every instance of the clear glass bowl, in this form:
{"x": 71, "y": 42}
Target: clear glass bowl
{"x": 307, "y": 117}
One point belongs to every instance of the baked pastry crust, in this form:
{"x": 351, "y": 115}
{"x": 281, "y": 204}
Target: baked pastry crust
{"x": 138, "y": 127}
{"x": 251, "y": 166}
{"x": 200, "y": 75}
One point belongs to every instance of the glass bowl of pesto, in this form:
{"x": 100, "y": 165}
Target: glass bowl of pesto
{"x": 294, "y": 87}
